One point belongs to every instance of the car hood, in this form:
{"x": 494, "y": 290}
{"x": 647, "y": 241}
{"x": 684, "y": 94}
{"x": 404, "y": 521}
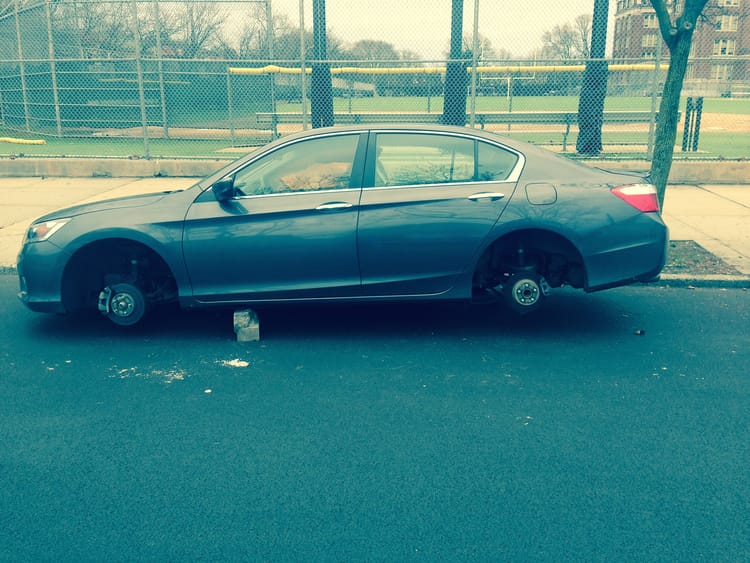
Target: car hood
{"x": 106, "y": 205}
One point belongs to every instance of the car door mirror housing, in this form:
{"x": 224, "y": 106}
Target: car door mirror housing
{"x": 224, "y": 189}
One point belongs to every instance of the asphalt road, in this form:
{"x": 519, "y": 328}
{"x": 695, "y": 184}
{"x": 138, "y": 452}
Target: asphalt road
{"x": 611, "y": 426}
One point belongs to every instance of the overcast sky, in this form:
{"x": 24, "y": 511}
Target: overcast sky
{"x": 423, "y": 26}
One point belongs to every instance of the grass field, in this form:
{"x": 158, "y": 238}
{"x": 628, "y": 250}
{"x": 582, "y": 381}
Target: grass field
{"x": 730, "y": 139}
{"x": 518, "y": 103}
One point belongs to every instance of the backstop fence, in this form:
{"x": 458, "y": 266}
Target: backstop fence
{"x": 162, "y": 79}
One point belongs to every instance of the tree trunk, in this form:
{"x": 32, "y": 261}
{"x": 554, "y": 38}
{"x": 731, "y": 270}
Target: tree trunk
{"x": 666, "y": 128}
{"x": 678, "y": 36}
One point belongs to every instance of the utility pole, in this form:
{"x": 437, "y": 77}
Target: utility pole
{"x": 321, "y": 102}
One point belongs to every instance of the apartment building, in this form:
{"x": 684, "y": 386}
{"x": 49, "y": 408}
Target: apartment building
{"x": 720, "y": 51}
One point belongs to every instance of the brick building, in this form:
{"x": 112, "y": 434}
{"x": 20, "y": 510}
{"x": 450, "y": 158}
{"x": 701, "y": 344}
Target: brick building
{"x": 721, "y": 45}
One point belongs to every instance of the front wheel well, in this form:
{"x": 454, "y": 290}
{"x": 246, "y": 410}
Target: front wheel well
{"x": 546, "y": 253}
{"x": 111, "y": 261}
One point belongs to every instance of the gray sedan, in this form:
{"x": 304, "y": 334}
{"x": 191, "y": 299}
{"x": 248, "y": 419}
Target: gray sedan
{"x": 353, "y": 214}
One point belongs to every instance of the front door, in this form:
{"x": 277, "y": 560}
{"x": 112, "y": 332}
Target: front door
{"x": 290, "y": 230}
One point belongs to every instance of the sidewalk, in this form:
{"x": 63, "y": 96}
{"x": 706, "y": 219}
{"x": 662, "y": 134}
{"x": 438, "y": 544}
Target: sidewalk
{"x": 715, "y": 216}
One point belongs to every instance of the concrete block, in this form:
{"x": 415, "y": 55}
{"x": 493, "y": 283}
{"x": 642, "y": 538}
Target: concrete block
{"x": 247, "y": 325}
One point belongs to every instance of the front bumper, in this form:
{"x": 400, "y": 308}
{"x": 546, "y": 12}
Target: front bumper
{"x": 40, "y": 266}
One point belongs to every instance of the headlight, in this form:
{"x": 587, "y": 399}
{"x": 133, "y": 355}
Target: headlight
{"x": 42, "y": 231}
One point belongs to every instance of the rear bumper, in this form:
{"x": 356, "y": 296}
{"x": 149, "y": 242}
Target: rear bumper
{"x": 640, "y": 262}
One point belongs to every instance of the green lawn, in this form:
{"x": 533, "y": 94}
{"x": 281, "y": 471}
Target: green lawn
{"x": 519, "y": 103}
{"x": 712, "y": 144}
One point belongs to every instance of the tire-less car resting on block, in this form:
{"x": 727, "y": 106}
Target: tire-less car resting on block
{"x": 362, "y": 213}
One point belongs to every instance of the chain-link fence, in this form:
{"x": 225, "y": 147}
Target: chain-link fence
{"x": 153, "y": 78}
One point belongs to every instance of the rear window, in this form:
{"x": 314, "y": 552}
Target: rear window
{"x": 404, "y": 159}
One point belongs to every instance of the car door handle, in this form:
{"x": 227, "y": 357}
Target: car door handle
{"x": 334, "y": 205}
{"x": 493, "y": 196}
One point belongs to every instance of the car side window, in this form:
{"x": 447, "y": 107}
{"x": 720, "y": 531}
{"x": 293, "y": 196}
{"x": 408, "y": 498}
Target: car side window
{"x": 494, "y": 163}
{"x": 323, "y": 163}
{"x": 405, "y": 159}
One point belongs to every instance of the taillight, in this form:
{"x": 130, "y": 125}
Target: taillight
{"x": 641, "y": 196}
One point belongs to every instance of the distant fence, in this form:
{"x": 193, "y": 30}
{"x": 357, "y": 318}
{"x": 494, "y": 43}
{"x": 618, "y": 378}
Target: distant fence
{"x": 108, "y": 72}
{"x": 209, "y": 99}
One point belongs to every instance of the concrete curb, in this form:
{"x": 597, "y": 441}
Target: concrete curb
{"x": 716, "y": 281}
{"x": 78, "y": 167}
{"x": 682, "y": 172}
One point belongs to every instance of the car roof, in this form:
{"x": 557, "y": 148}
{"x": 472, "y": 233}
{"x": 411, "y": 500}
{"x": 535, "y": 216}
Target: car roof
{"x": 411, "y": 127}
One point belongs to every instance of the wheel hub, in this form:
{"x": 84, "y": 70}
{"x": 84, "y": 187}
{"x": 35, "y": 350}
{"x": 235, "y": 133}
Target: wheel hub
{"x": 526, "y": 292}
{"x": 122, "y": 304}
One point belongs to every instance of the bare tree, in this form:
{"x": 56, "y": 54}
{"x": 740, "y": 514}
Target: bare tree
{"x": 408, "y": 55}
{"x": 254, "y": 36}
{"x": 568, "y": 41}
{"x": 582, "y": 27}
{"x": 559, "y": 42}
{"x": 198, "y": 26}
{"x": 677, "y": 31}
{"x": 8, "y": 7}
{"x": 375, "y": 53}
{"x": 380, "y": 52}
{"x": 102, "y": 30}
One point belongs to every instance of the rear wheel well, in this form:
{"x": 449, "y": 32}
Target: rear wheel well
{"x": 534, "y": 251}
{"x": 112, "y": 261}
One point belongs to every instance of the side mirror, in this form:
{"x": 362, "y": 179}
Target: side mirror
{"x": 224, "y": 189}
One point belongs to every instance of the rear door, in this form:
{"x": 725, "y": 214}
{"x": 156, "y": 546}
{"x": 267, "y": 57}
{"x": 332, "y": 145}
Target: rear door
{"x": 429, "y": 201}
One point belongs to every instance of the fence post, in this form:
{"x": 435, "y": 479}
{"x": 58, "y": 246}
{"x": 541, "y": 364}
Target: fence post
{"x": 687, "y": 124}
{"x": 22, "y": 69}
{"x": 139, "y": 72}
{"x": 474, "y": 49}
{"x": 271, "y": 61}
{"x": 160, "y": 63}
{"x": 509, "y": 95}
{"x": 53, "y": 69}
{"x": 692, "y": 126}
{"x": 697, "y": 122}
{"x": 230, "y": 106}
{"x": 302, "y": 64}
